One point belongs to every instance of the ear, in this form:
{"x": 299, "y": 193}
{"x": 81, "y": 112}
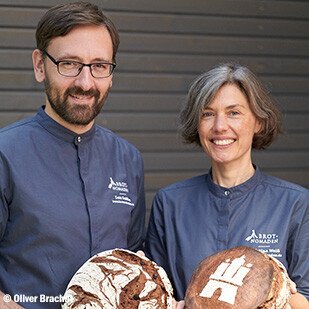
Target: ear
{"x": 38, "y": 65}
{"x": 258, "y": 127}
{"x": 111, "y": 84}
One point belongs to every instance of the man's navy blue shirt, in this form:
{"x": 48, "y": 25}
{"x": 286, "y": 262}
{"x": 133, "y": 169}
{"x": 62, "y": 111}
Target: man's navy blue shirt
{"x": 196, "y": 218}
{"x": 63, "y": 198}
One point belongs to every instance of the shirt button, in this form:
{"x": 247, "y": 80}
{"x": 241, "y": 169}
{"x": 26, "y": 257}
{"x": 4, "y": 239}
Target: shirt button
{"x": 227, "y": 192}
{"x": 78, "y": 139}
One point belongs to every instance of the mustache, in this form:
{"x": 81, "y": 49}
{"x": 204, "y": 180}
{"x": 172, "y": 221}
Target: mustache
{"x": 79, "y": 91}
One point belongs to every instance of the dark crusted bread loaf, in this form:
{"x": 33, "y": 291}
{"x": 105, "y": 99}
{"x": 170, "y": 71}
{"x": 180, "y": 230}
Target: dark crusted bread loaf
{"x": 240, "y": 277}
{"x": 119, "y": 279}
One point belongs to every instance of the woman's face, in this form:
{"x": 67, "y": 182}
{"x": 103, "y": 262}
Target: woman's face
{"x": 226, "y": 127}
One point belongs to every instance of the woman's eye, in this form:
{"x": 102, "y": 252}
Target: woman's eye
{"x": 207, "y": 114}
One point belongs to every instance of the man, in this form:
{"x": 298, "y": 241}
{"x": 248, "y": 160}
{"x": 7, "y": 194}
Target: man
{"x": 68, "y": 187}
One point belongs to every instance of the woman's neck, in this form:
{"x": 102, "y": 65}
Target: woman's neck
{"x": 231, "y": 176}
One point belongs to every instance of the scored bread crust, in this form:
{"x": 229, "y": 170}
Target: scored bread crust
{"x": 280, "y": 293}
{"x": 265, "y": 285}
{"x": 121, "y": 279}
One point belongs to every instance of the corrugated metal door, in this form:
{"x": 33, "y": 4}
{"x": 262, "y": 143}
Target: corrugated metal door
{"x": 165, "y": 44}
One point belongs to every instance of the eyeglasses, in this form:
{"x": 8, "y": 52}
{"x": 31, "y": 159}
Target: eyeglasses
{"x": 72, "y": 68}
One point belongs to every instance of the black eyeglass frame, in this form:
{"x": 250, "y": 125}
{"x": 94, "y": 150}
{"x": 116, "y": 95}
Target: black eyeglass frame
{"x": 113, "y": 65}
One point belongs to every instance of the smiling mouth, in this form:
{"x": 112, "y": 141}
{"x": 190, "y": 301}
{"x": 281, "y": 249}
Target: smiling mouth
{"x": 81, "y": 97}
{"x": 222, "y": 142}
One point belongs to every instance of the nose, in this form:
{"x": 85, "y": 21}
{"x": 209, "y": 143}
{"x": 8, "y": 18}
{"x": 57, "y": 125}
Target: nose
{"x": 220, "y": 123}
{"x": 85, "y": 80}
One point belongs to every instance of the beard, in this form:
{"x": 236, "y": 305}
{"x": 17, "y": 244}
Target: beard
{"x": 76, "y": 114}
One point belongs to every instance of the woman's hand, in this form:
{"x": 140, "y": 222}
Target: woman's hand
{"x": 297, "y": 300}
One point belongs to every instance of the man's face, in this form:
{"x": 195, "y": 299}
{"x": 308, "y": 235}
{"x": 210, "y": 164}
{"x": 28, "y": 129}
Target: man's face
{"x": 76, "y": 101}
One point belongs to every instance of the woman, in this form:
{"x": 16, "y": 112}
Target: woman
{"x": 228, "y": 113}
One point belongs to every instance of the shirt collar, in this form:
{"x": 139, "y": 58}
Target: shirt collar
{"x": 234, "y": 191}
{"x": 60, "y": 131}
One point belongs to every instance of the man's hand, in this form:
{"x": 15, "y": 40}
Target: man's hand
{"x": 178, "y": 305}
{"x": 140, "y": 253}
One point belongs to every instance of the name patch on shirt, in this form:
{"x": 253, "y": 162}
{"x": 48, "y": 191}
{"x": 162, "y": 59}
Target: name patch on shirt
{"x": 265, "y": 242}
{"x": 121, "y": 192}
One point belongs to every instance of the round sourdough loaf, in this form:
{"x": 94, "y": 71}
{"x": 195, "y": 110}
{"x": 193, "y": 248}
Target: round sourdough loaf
{"x": 119, "y": 279}
{"x": 240, "y": 277}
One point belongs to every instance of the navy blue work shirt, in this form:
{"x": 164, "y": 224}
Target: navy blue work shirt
{"x": 63, "y": 198}
{"x": 196, "y": 218}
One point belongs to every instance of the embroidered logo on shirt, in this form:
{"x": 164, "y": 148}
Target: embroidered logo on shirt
{"x": 228, "y": 277}
{"x": 262, "y": 238}
{"x": 121, "y": 189}
{"x": 265, "y": 242}
{"x": 118, "y": 185}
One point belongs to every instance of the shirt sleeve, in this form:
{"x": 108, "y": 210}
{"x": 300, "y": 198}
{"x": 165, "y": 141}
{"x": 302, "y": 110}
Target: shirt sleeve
{"x": 298, "y": 246}
{"x": 136, "y": 233}
{"x": 4, "y": 195}
{"x": 155, "y": 247}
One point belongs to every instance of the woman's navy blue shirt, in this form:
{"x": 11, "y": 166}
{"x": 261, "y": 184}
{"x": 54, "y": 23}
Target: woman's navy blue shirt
{"x": 196, "y": 218}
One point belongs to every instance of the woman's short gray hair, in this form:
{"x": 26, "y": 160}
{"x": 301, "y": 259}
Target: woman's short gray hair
{"x": 205, "y": 87}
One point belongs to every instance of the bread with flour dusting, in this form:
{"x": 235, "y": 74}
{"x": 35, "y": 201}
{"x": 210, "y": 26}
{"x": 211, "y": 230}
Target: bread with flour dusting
{"x": 119, "y": 279}
{"x": 241, "y": 277}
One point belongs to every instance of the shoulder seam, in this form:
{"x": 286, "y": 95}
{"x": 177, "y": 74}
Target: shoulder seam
{"x": 286, "y": 185}
{"x": 16, "y": 125}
